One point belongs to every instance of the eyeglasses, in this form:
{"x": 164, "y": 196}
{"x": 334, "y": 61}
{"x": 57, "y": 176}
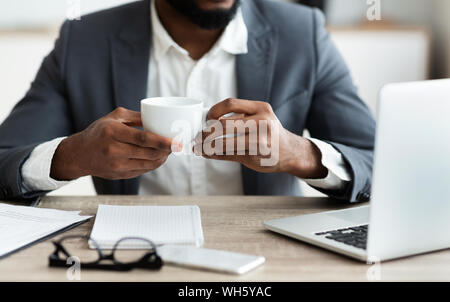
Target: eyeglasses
{"x": 117, "y": 260}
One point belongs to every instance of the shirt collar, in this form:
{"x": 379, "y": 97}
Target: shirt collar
{"x": 233, "y": 40}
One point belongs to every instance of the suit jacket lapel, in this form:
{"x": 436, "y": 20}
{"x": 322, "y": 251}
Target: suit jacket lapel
{"x": 130, "y": 53}
{"x": 255, "y": 71}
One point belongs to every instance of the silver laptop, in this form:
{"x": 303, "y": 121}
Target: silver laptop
{"x": 409, "y": 211}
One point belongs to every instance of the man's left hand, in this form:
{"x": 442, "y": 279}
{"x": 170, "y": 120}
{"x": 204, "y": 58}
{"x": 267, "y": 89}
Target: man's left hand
{"x": 253, "y": 136}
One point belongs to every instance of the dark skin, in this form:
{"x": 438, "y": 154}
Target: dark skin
{"x": 197, "y": 41}
{"x": 112, "y": 148}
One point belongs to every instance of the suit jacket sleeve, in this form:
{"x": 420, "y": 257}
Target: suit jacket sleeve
{"x": 339, "y": 117}
{"x": 40, "y": 116}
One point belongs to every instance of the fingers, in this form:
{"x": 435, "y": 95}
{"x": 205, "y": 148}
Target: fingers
{"x": 227, "y": 128}
{"x": 235, "y": 158}
{"x": 234, "y": 145}
{"x": 125, "y": 168}
{"x": 244, "y": 144}
{"x": 246, "y": 118}
{"x": 135, "y": 152}
{"x": 130, "y": 135}
{"x": 128, "y": 117}
{"x": 233, "y": 105}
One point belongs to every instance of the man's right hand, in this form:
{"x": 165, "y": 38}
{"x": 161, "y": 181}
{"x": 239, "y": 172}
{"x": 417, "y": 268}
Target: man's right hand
{"x": 111, "y": 148}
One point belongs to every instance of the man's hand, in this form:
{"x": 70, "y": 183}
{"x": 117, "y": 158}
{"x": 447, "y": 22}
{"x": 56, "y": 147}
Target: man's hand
{"x": 254, "y": 134}
{"x": 111, "y": 148}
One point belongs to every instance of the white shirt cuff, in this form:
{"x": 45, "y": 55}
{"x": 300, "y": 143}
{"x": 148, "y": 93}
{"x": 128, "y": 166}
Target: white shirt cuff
{"x": 338, "y": 174}
{"x": 36, "y": 169}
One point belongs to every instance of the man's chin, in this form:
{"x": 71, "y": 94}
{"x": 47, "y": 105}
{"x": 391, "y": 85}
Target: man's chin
{"x": 215, "y": 18}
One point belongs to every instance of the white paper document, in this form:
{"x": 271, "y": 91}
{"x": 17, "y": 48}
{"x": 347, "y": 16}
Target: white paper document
{"x": 160, "y": 224}
{"x": 21, "y": 226}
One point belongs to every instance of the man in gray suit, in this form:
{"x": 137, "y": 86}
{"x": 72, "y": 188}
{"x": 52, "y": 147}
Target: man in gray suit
{"x": 260, "y": 59}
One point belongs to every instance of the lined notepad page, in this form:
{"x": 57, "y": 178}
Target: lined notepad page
{"x": 160, "y": 224}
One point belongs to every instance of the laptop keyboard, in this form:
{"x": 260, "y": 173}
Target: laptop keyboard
{"x": 354, "y": 236}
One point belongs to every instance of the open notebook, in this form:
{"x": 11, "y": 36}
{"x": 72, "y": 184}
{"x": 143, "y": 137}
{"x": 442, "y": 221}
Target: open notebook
{"x": 160, "y": 224}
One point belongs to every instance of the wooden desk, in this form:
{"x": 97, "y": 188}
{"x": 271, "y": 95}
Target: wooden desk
{"x": 229, "y": 223}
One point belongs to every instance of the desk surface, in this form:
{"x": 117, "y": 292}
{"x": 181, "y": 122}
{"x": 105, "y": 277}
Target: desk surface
{"x": 229, "y": 223}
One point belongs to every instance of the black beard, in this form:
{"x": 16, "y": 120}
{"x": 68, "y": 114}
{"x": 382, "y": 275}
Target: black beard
{"x": 207, "y": 19}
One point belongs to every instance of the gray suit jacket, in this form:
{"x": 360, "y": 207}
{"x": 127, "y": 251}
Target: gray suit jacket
{"x": 101, "y": 62}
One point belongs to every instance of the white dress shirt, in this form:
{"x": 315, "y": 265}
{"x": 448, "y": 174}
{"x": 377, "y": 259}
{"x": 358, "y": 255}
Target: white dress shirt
{"x": 172, "y": 72}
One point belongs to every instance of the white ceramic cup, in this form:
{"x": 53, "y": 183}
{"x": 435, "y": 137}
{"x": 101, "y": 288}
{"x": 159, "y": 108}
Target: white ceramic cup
{"x": 178, "y": 118}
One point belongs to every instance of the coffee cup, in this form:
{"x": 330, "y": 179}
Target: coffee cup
{"x": 179, "y": 118}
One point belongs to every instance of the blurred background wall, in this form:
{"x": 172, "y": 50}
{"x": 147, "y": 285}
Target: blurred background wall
{"x": 410, "y": 42}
